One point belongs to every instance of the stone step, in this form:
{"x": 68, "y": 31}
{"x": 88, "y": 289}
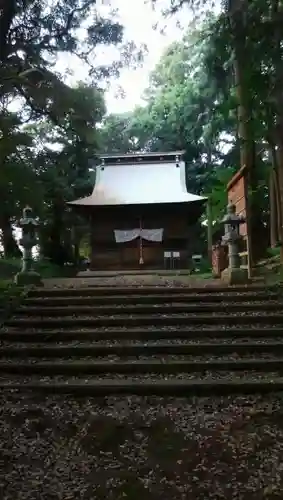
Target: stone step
{"x": 146, "y": 290}
{"x": 174, "y": 387}
{"x": 78, "y": 368}
{"x": 148, "y": 349}
{"x": 49, "y": 336}
{"x": 172, "y": 308}
{"x": 144, "y": 324}
{"x": 150, "y": 298}
{"x": 141, "y": 320}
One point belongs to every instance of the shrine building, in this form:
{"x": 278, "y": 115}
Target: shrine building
{"x": 140, "y": 212}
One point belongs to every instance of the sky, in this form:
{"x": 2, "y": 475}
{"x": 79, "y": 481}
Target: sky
{"x": 138, "y": 18}
{"x": 139, "y": 22}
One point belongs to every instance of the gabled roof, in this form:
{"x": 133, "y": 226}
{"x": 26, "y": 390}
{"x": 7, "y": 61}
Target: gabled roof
{"x": 139, "y": 179}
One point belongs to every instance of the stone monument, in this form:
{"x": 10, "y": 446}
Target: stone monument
{"x": 234, "y": 274}
{"x": 28, "y": 225}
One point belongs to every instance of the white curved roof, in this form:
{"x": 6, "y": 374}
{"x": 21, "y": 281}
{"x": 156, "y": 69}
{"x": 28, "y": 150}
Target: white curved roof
{"x": 138, "y": 184}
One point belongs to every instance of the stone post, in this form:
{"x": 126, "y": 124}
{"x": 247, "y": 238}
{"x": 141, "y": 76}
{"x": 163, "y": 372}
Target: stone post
{"x": 219, "y": 260}
{"x": 234, "y": 274}
{"x": 28, "y": 225}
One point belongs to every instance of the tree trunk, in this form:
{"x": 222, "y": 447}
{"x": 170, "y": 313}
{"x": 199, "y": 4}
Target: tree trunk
{"x": 245, "y": 128}
{"x": 67, "y": 242}
{"x": 56, "y": 251}
{"x": 276, "y": 19}
{"x": 273, "y": 211}
{"x": 279, "y": 191}
{"x": 10, "y": 247}
{"x": 76, "y": 252}
{"x": 77, "y": 236}
{"x": 209, "y": 230}
{"x": 274, "y": 200}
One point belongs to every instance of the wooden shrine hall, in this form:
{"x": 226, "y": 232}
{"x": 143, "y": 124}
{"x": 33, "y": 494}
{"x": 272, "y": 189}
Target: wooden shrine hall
{"x": 140, "y": 212}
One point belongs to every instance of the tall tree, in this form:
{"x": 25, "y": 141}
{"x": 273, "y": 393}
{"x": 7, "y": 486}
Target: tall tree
{"x": 33, "y": 35}
{"x": 247, "y": 30}
{"x": 182, "y": 110}
{"x": 17, "y": 179}
{"x": 63, "y": 159}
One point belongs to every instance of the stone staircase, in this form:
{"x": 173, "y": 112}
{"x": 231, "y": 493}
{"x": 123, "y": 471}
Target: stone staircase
{"x": 145, "y": 340}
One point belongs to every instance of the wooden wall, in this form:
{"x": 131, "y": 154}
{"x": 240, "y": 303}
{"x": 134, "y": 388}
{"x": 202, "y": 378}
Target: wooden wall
{"x": 103, "y": 230}
{"x": 237, "y": 190}
{"x": 237, "y": 194}
{"x": 107, "y": 254}
{"x": 127, "y": 257}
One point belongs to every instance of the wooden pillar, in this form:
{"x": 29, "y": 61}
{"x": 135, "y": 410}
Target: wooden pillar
{"x": 91, "y": 242}
{"x": 209, "y": 229}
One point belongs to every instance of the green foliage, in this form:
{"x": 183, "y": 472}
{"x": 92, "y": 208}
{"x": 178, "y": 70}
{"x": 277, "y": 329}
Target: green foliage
{"x": 182, "y": 111}
{"x": 218, "y": 195}
{"x": 10, "y": 267}
{"x": 49, "y": 270}
{"x": 49, "y": 143}
{"x": 62, "y": 165}
{"x": 32, "y": 36}
{"x": 273, "y": 252}
{"x": 117, "y": 135}
{"x": 193, "y": 101}
{"x": 11, "y": 297}
{"x": 46, "y": 166}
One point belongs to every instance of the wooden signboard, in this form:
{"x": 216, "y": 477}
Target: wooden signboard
{"x": 237, "y": 194}
{"x": 237, "y": 190}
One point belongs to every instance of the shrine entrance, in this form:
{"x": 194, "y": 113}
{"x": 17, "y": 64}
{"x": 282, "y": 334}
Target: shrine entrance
{"x": 139, "y": 209}
{"x": 145, "y": 242}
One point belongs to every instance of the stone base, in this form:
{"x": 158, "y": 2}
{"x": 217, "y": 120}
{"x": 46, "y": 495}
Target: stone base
{"x": 28, "y": 278}
{"x": 234, "y": 276}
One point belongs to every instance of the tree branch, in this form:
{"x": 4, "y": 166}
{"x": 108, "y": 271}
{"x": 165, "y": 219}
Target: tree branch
{"x": 7, "y": 13}
{"x": 70, "y": 18}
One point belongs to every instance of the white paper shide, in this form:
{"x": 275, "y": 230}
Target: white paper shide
{"x": 123, "y": 236}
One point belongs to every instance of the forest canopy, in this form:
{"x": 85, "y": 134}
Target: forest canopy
{"x": 216, "y": 94}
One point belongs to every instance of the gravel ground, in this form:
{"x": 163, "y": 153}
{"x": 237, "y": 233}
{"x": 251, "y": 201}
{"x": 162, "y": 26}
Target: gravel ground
{"x": 133, "y": 280}
{"x": 249, "y": 375}
{"x": 176, "y": 302}
{"x": 60, "y": 448}
{"x": 162, "y": 358}
{"x": 93, "y": 343}
{"x": 151, "y": 328}
{"x": 63, "y": 448}
{"x": 197, "y": 294}
{"x": 158, "y": 299}
{"x": 170, "y": 314}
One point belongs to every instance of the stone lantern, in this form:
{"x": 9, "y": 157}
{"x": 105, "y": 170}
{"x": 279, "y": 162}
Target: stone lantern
{"x": 28, "y": 225}
{"x": 234, "y": 274}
